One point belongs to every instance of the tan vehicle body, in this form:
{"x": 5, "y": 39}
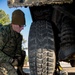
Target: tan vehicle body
{"x": 17, "y": 3}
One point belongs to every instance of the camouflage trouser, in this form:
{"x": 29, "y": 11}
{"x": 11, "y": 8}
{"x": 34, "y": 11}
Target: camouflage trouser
{"x": 5, "y": 67}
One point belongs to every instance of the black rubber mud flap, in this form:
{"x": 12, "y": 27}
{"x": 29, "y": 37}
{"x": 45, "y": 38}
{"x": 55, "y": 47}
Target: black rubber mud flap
{"x": 41, "y": 49}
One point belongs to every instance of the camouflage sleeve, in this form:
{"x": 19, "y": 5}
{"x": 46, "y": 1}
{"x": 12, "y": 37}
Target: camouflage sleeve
{"x": 3, "y": 37}
{"x": 5, "y": 41}
{"x": 19, "y": 46}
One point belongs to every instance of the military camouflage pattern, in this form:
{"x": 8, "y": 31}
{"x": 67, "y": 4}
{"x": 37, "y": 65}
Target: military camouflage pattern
{"x": 17, "y": 3}
{"x": 10, "y": 41}
{"x": 7, "y": 69}
{"x": 10, "y": 46}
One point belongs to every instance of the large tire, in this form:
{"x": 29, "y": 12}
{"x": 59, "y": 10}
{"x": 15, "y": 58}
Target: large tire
{"x": 41, "y": 49}
{"x": 67, "y": 37}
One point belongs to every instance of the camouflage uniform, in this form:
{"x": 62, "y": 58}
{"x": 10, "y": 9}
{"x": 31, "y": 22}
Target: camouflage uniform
{"x": 10, "y": 46}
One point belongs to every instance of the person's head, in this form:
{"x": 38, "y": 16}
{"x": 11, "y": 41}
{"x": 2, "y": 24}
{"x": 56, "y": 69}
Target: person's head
{"x": 18, "y": 20}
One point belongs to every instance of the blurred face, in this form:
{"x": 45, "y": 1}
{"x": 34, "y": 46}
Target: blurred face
{"x": 17, "y": 28}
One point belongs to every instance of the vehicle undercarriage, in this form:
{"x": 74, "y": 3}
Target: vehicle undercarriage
{"x": 52, "y": 34}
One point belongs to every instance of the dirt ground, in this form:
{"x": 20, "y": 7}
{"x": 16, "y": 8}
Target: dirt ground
{"x": 70, "y": 71}
{"x": 66, "y": 66}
